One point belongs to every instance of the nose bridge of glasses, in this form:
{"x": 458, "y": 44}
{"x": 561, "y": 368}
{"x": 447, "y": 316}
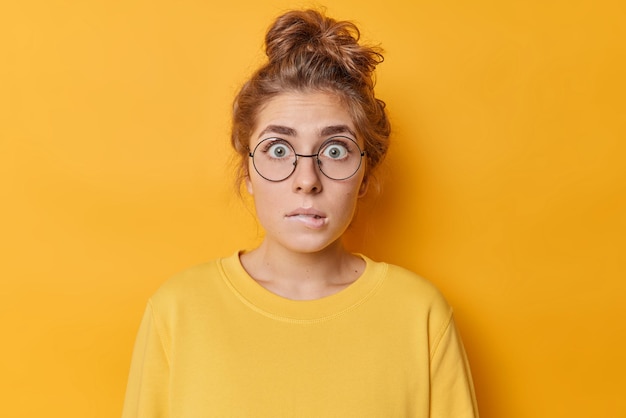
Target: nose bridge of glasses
{"x": 307, "y": 155}
{"x": 313, "y": 157}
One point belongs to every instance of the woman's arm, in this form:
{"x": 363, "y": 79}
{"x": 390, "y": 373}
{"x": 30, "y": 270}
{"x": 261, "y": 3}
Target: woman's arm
{"x": 147, "y": 392}
{"x": 452, "y": 390}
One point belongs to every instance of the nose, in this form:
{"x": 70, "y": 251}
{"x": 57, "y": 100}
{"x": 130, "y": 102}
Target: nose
{"x": 307, "y": 175}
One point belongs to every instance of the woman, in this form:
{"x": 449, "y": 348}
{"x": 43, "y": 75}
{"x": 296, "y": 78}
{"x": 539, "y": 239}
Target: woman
{"x": 300, "y": 327}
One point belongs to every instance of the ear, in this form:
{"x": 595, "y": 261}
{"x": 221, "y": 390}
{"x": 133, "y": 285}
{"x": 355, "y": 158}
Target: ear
{"x": 249, "y": 185}
{"x": 364, "y": 186}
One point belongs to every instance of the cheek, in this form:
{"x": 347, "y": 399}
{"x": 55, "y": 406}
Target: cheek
{"x": 264, "y": 196}
{"x": 348, "y": 203}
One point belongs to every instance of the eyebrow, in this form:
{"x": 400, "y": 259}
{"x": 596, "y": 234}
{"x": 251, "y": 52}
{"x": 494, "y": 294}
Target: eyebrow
{"x": 327, "y": 131}
{"x": 278, "y": 129}
{"x": 337, "y": 129}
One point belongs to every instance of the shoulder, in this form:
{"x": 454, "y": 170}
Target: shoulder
{"x": 194, "y": 285}
{"x": 411, "y": 281}
{"x": 408, "y": 290}
{"x": 404, "y": 281}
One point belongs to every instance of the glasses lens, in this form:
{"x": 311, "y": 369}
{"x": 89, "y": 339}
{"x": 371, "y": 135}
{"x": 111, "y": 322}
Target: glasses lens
{"x": 274, "y": 159}
{"x": 339, "y": 158}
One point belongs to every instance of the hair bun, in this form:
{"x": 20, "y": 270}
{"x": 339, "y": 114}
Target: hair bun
{"x": 299, "y": 36}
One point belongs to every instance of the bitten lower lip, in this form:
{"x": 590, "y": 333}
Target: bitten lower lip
{"x": 310, "y": 221}
{"x": 307, "y": 212}
{"x": 308, "y": 217}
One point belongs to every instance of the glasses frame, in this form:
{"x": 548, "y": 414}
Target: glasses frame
{"x": 316, "y": 156}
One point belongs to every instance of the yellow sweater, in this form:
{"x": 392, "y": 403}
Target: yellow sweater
{"x": 214, "y": 343}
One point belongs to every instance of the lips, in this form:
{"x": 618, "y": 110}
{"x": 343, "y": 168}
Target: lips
{"x": 307, "y": 216}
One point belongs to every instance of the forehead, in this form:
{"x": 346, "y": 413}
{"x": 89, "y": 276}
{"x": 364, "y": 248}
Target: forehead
{"x": 303, "y": 115}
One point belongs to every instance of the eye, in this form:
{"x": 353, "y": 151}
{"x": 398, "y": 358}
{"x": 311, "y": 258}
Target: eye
{"x": 335, "y": 151}
{"x": 278, "y": 150}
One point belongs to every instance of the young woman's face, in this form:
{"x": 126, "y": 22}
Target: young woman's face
{"x": 306, "y": 212}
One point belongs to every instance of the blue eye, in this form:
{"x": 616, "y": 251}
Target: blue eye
{"x": 335, "y": 151}
{"x": 278, "y": 150}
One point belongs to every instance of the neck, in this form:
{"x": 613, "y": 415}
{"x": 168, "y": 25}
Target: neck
{"x": 303, "y": 276}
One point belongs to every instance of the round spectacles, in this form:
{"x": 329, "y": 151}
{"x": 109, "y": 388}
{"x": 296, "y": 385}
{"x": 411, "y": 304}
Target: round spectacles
{"x": 338, "y": 158}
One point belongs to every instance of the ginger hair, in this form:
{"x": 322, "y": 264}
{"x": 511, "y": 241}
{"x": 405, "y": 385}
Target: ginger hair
{"x": 308, "y": 51}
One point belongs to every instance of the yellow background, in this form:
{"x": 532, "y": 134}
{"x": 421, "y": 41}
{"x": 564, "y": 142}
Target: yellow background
{"x": 505, "y": 184}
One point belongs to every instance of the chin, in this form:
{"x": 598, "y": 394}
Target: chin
{"x": 310, "y": 246}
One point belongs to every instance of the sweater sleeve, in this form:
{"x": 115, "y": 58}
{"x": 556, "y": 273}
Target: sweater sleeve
{"x": 147, "y": 390}
{"x": 452, "y": 390}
